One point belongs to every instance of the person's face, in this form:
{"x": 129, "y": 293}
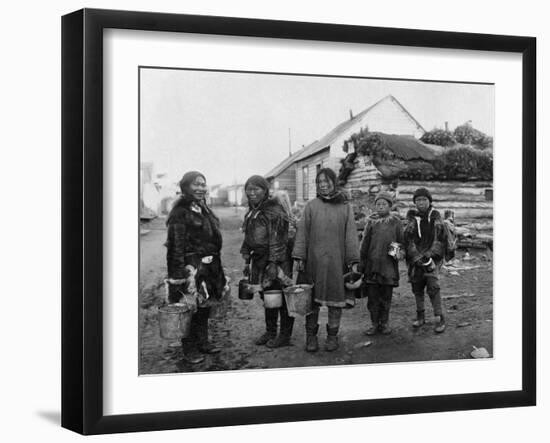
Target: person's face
{"x": 255, "y": 194}
{"x": 422, "y": 203}
{"x": 325, "y": 185}
{"x": 382, "y": 206}
{"x": 198, "y": 188}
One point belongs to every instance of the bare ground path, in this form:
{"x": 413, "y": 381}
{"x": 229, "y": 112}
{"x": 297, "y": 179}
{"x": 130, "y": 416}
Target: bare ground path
{"x": 467, "y": 296}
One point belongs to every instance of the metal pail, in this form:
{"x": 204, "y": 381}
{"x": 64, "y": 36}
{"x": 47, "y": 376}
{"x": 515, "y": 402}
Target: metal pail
{"x": 353, "y": 282}
{"x": 273, "y": 299}
{"x": 174, "y": 321}
{"x": 298, "y": 299}
{"x": 244, "y": 290}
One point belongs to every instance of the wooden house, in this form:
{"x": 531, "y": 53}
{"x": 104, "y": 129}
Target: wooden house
{"x": 387, "y": 115}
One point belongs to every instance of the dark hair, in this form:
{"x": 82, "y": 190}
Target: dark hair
{"x": 422, "y": 192}
{"x": 336, "y": 196}
{"x": 187, "y": 179}
{"x": 329, "y": 174}
{"x": 257, "y": 180}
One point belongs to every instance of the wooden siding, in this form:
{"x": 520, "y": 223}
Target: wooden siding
{"x": 286, "y": 181}
{"x": 322, "y": 159}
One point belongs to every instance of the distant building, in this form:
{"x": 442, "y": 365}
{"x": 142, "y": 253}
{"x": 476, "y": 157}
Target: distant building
{"x": 149, "y": 196}
{"x": 157, "y": 193}
{"x": 236, "y": 195}
{"x": 218, "y": 195}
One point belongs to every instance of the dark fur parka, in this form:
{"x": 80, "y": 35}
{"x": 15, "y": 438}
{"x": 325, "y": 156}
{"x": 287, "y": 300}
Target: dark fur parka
{"x": 191, "y": 236}
{"x": 266, "y": 229}
{"x": 424, "y": 237}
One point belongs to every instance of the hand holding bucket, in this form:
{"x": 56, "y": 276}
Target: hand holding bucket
{"x": 298, "y": 298}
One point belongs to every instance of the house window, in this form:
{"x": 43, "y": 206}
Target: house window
{"x": 489, "y": 194}
{"x": 317, "y": 169}
{"x": 305, "y": 182}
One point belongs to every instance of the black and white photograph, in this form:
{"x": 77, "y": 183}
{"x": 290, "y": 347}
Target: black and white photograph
{"x": 275, "y": 221}
{"x": 294, "y": 221}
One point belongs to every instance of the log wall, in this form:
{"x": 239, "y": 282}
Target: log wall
{"x": 467, "y": 199}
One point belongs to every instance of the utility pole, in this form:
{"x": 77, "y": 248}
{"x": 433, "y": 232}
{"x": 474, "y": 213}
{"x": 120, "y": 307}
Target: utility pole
{"x": 289, "y": 145}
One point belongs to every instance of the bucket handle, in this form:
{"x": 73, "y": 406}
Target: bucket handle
{"x": 295, "y": 276}
{"x": 284, "y": 279}
{"x": 175, "y": 281}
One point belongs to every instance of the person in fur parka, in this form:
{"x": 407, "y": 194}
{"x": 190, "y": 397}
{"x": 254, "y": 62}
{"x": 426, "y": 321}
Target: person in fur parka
{"x": 193, "y": 245}
{"x": 265, "y": 253}
{"x": 425, "y": 240}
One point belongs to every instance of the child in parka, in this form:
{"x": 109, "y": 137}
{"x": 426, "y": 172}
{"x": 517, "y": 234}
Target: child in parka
{"x": 425, "y": 241}
{"x": 381, "y": 270}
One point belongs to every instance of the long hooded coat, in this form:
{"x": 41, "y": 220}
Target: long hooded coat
{"x": 327, "y": 240}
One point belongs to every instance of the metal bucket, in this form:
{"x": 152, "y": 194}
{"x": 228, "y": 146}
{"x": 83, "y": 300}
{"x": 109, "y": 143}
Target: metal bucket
{"x": 245, "y": 293}
{"x": 219, "y": 308}
{"x": 353, "y": 282}
{"x": 273, "y": 299}
{"x": 298, "y": 299}
{"x": 175, "y": 321}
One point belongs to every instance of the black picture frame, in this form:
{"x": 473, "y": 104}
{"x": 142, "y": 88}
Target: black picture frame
{"x": 82, "y": 219}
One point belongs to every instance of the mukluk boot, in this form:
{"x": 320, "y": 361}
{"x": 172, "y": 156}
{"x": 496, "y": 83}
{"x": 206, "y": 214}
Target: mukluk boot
{"x": 440, "y": 324}
{"x": 190, "y": 353}
{"x": 312, "y": 344}
{"x": 332, "y": 339}
{"x": 283, "y": 339}
{"x": 270, "y": 333}
{"x": 420, "y": 319}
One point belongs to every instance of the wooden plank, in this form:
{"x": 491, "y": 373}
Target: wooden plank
{"x": 451, "y": 183}
{"x": 461, "y": 213}
{"x": 457, "y": 204}
{"x": 451, "y": 189}
{"x": 445, "y": 197}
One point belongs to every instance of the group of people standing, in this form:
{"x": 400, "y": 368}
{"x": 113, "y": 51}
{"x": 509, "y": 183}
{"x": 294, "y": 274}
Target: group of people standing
{"x": 320, "y": 247}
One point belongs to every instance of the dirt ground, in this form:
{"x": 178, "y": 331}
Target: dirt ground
{"x": 466, "y": 291}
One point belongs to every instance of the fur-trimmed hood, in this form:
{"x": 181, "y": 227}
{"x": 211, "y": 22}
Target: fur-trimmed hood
{"x": 433, "y": 214}
{"x": 414, "y": 216}
{"x": 182, "y": 207}
{"x": 375, "y": 218}
{"x": 337, "y": 197}
{"x": 270, "y": 206}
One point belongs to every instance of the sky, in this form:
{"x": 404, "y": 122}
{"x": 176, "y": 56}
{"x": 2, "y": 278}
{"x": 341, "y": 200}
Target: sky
{"x": 231, "y": 125}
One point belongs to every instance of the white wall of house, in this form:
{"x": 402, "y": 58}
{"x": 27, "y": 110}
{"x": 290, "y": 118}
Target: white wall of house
{"x": 390, "y": 118}
{"x": 387, "y": 117}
